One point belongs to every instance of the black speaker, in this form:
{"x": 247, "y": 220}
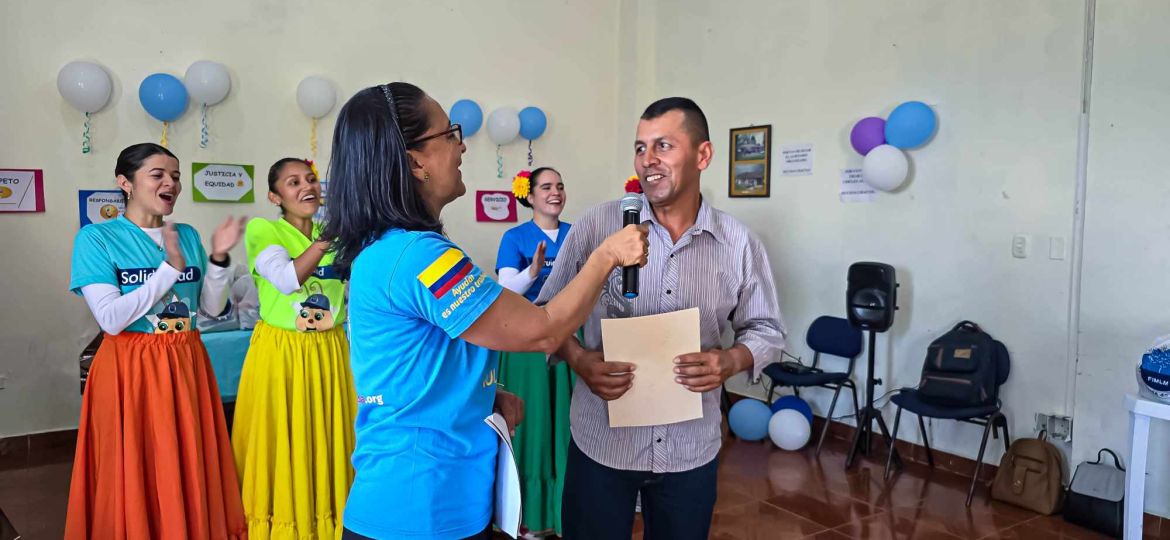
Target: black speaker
{"x": 871, "y": 296}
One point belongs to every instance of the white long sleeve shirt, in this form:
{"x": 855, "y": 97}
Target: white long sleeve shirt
{"x": 115, "y": 311}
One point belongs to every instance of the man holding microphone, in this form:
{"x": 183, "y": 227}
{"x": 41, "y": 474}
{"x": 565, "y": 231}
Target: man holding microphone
{"x": 699, "y": 257}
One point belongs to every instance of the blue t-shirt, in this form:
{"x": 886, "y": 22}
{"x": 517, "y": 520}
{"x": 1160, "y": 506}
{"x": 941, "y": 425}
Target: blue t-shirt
{"x": 425, "y": 460}
{"x": 519, "y": 245}
{"x": 119, "y": 253}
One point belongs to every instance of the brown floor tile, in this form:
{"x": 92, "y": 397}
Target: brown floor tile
{"x": 827, "y": 535}
{"x": 55, "y": 447}
{"x": 759, "y": 521}
{"x": 34, "y": 499}
{"x": 13, "y": 452}
{"x": 1048, "y": 527}
{"x": 815, "y": 503}
{"x": 764, "y": 493}
{"x": 883, "y": 526}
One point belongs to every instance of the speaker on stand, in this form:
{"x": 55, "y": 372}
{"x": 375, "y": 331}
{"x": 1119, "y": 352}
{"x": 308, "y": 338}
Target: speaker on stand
{"x": 871, "y": 298}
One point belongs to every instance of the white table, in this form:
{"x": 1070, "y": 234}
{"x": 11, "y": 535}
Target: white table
{"x": 1142, "y": 411}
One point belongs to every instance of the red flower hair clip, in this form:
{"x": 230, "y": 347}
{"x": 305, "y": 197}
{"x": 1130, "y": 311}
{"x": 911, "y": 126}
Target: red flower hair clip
{"x": 633, "y": 185}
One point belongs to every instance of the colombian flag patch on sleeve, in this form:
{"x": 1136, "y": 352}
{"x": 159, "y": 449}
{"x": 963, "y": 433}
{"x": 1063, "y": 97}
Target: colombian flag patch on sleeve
{"x": 446, "y": 272}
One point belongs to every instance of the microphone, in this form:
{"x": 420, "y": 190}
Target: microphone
{"x": 631, "y": 215}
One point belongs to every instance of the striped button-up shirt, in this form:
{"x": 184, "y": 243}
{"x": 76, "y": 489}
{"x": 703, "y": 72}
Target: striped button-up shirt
{"x": 718, "y": 266}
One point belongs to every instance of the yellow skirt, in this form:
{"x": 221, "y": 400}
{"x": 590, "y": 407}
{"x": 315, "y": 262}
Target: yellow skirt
{"x": 293, "y": 433}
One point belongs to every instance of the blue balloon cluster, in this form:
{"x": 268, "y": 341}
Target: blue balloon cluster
{"x": 793, "y": 402}
{"x": 469, "y": 115}
{"x": 163, "y": 96}
{"x": 532, "y": 123}
{"x": 748, "y": 419}
{"x": 910, "y": 125}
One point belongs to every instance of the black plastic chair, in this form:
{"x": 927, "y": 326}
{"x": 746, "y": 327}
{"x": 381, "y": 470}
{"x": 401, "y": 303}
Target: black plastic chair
{"x": 827, "y": 335}
{"x": 989, "y": 416}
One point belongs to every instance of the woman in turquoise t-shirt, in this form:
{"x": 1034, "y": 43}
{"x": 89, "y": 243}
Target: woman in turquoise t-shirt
{"x": 424, "y": 321}
{"x": 153, "y": 457}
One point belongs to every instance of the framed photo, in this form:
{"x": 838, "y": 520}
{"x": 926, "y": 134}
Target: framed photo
{"x": 750, "y": 170}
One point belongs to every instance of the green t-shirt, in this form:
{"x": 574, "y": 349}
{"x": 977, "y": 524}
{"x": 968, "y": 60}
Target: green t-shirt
{"x": 320, "y": 302}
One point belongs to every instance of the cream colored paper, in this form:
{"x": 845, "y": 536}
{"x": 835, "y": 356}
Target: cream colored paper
{"x": 652, "y": 343}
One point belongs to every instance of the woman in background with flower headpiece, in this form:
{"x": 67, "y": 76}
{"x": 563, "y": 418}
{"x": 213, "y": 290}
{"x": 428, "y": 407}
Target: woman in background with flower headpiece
{"x": 293, "y": 431}
{"x": 525, "y": 259}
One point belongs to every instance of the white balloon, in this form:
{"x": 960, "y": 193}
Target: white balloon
{"x": 503, "y": 125}
{"x": 789, "y": 429}
{"x": 207, "y": 82}
{"x": 885, "y": 168}
{"x": 85, "y": 85}
{"x": 316, "y": 96}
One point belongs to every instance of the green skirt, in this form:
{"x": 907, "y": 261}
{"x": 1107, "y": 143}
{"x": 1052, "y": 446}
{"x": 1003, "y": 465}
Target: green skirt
{"x": 542, "y": 440}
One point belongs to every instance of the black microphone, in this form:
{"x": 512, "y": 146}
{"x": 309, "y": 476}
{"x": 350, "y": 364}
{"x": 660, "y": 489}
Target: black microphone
{"x": 631, "y": 215}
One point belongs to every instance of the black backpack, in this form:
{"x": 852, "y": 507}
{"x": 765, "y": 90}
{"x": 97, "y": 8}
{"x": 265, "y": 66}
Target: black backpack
{"x": 964, "y": 368}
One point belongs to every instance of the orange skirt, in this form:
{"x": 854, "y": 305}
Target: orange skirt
{"x": 153, "y": 455}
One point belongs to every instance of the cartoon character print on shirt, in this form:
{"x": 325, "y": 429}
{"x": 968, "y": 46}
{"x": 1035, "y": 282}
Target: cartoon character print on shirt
{"x": 173, "y": 318}
{"x": 314, "y": 314}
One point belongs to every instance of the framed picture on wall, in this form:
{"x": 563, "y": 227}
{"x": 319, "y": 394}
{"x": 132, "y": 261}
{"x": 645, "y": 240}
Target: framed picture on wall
{"x": 750, "y": 170}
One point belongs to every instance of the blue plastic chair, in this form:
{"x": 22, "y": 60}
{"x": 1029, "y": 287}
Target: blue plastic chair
{"x": 833, "y": 336}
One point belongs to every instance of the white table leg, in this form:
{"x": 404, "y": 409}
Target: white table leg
{"x": 1135, "y": 480}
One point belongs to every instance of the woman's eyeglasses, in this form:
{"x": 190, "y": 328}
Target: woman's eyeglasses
{"x": 455, "y": 129}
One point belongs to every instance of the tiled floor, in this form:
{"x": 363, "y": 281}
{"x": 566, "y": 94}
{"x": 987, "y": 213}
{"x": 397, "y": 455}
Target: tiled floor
{"x": 764, "y": 493}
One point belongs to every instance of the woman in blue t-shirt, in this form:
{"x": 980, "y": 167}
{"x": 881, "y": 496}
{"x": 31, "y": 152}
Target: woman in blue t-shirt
{"x": 528, "y": 251}
{"x": 424, "y": 321}
{"x": 525, "y": 260}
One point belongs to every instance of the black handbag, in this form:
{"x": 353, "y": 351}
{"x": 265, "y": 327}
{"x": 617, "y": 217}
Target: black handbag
{"x": 1096, "y": 496}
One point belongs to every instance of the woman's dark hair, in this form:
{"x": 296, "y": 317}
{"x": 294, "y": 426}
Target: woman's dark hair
{"x": 274, "y": 173}
{"x": 532, "y": 184}
{"x": 274, "y": 170}
{"x": 371, "y": 188}
{"x": 131, "y": 159}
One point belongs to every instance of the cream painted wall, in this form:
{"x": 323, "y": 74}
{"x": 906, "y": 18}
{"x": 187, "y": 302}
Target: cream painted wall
{"x": 555, "y": 55}
{"x": 1125, "y": 289}
{"x": 1004, "y": 76}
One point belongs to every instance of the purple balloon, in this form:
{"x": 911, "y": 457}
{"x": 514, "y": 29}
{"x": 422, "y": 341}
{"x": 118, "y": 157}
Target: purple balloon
{"x": 867, "y": 134}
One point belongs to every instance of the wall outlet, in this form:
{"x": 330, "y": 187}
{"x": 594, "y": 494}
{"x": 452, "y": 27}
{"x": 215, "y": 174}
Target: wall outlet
{"x": 1020, "y": 246}
{"x": 1059, "y": 428}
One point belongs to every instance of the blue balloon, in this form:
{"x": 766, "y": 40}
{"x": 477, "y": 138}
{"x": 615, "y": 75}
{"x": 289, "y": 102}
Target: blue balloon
{"x": 532, "y": 123}
{"x": 468, "y": 115}
{"x": 748, "y": 419}
{"x": 910, "y": 125}
{"x": 793, "y": 402}
{"x": 163, "y": 96}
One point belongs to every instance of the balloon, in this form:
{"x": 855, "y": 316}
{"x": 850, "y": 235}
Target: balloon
{"x": 748, "y": 419}
{"x": 503, "y": 125}
{"x": 163, "y": 96}
{"x": 794, "y": 403}
{"x": 885, "y": 168}
{"x": 468, "y": 115}
{"x": 315, "y": 96}
{"x": 532, "y": 123}
{"x": 867, "y": 134}
{"x": 85, "y": 85}
{"x": 910, "y": 125}
{"x": 789, "y": 429}
{"x": 208, "y": 82}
